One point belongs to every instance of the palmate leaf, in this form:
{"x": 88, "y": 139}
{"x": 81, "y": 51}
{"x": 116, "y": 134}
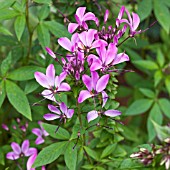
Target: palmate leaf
{"x": 18, "y": 99}
{"x": 50, "y": 153}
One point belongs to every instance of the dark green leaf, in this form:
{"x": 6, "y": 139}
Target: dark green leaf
{"x": 7, "y": 14}
{"x": 43, "y": 35}
{"x": 31, "y": 86}
{"x": 91, "y": 153}
{"x": 157, "y": 77}
{"x": 43, "y": 1}
{"x": 2, "y": 92}
{"x": 165, "y": 106}
{"x": 57, "y": 29}
{"x": 44, "y": 12}
{"x": 6, "y": 3}
{"x": 167, "y": 84}
{"x": 25, "y": 73}
{"x": 50, "y": 154}
{"x": 19, "y": 26}
{"x": 2, "y": 158}
{"x": 18, "y": 99}
{"x": 150, "y": 65}
{"x": 108, "y": 150}
{"x": 4, "y": 31}
{"x": 144, "y": 9}
{"x": 154, "y": 115}
{"x": 147, "y": 92}
{"x": 139, "y": 106}
{"x": 60, "y": 134}
{"x": 6, "y": 63}
{"x": 70, "y": 156}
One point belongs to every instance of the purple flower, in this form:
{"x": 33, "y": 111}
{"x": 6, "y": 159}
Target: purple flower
{"x": 50, "y": 52}
{"x": 81, "y": 19}
{"x": 51, "y": 82}
{"x": 62, "y": 114}
{"x": 106, "y": 16}
{"x": 18, "y": 151}
{"x": 5, "y": 127}
{"x": 107, "y": 58}
{"x": 94, "y": 85}
{"x": 40, "y": 133}
{"x": 94, "y": 114}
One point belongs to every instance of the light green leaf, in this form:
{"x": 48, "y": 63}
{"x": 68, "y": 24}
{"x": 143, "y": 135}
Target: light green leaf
{"x": 91, "y": 153}
{"x": 2, "y": 158}
{"x": 7, "y": 14}
{"x": 147, "y": 92}
{"x": 44, "y": 12}
{"x": 157, "y": 77}
{"x": 160, "y": 58}
{"x": 19, "y": 26}
{"x": 162, "y": 14}
{"x": 165, "y": 106}
{"x": 18, "y": 99}
{"x": 70, "y": 156}
{"x": 57, "y": 29}
{"x": 50, "y": 153}
{"x": 31, "y": 86}
{"x": 150, "y": 65}
{"x": 6, "y": 64}
{"x": 144, "y": 9}
{"x": 6, "y": 3}
{"x": 108, "y": 150}
{"x": 24, "y": 73}
{"x": 60, "y": 134}
{"x": 167, "y": 84}
{"x": 43, "y": 35}
{"x": 4, "y": 31}
{"x": 2, "y": 92}
{"x": 162, "y": 132}
{"x": 139, "y": 106}
{"x": 154, "y": 115}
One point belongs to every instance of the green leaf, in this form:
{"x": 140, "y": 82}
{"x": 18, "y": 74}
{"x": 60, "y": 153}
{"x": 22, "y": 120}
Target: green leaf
{"x": 147, "y": 92}
{"x": 7, "y": 14}
{"x": 42, "y": 1}
{"x": 18, "y": 99}
{"x": 19, "y": 26}
{"x": 31, "y": 86}
{"x": 6, "y": 64}
{"x": 50, "y": 153}
{"x": 2, "y": 158}
{"x": 6, "y": 4}
{"x": 60, "y": 134}
{"x": 160, "y": 58}
{"x": 91, "y": 153}
{"x": 162, "y": 132}
{"x": 165, "y": 106}
{"x": 108, "y": 150}
{"x": 44, "y": 12}
{"x": 139, "y": 106}
{"x": 154, "y": 115}
{"x": 157, "y": 77}
{"x": 167, "y": 84}
{"x": 43, "y": 35}
{"x": 2, "y": 92}
{"x": 4, "y": 31}
{"x": 25, "y": 73}
{"x": 162, "y": 14}
{"x": 150, "y": 65}
{"x": 70, "y": 156}
{"x": 57, "y": 29}
{"x": 144, "y": 9}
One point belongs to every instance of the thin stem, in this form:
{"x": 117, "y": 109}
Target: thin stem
{"x": 123, "y": 41}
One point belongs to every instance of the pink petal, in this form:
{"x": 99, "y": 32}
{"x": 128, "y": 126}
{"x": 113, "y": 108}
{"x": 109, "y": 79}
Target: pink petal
{"x": 84, "y": 94}
{"x": 39, "y": 140}
{"x": 98, "y": 43}
{"x": 50, "y": 52}
{"x": 48, "y": 95}
{"x": 102, "y": 83}
{"x": 64, "y": 87}
{"x": 95, "y": 78}
{"x": 70, "y": 113}
{"x": 37, "y": 132}
{"x": 41, "y": 79}
{"x": 112, "y": 113}
{"x": 25, "y": 146}
{"x": 72, "y": 27}
{"x": 54, "y": 109}
{"x": 63, "y": 107}
{"x": 120, "y": 15}
{"x": 104, "y": 97}
{"x": 92, "y": 115}
{"x": 65, "y": 43}
{"x": 50, "y": 74}
{"x": 80, "y": 12}
{"x": 57, "y": 81}
{"x": 62, "y": 76}
{"x": 89, "y": 16}
{"x": 122, "y": 57}
{"x": 106, "y": 15}
{"x": 31, "y": 161}
{"x": 87, "y": 81}
{"x": 16, "y": 148}
{"x": 50, "y": 116}
{"x": 96, "y": 65}
{"x": 12, "y": 155}
{"x": 82, "y": 37}
{"x": 90, "y": 36}
{"x": 111, "y": 53}
{"x": 31, "y": 151}
{"x": 136, "y": 21}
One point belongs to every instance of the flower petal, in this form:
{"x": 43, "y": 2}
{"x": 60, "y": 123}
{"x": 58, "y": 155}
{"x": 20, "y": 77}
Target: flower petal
{"x": 39, "y": 140}
{"x": 90, "y": 36}
{"x": 50, "y": 74}
{"x": 104, "y": 97}
{"x": 92, "y": 115}
{"x": 54, "y": 109}
{"x": 12, "y": 155}
{"x": 48, "y": 95}
{"x": 63, "y": 107}
{"x": 16, "y": 148}
{"x": 106, "y": 15}
{"x": 96, "y": 65}
{"x": 122, "y": 57}
{"x": 70, "y": 113}
{"x": 80, "y": 12}
{"x": 41, "y": 79}
{"x": 102, "y": 83}
{"x": 25, "y": 146}
{"x": 64, "y": 87}
{"x": 112, "y": 113}
{"x": 50, "y": 52}
{"x": 37, "y": 132}
{"x": 82, "y": 38}
{"x": 31, "y": 151}
{"x": 87, "y": 81}
{"x": 31, "y": 161}
{"x": 50, "y": 116}
{"x": 62, "y": 76}
{"x": 89, "y": 16}
{"x": 65, "y": 43}
{"x": 136, "y": 21}
{"x": 95, "y": 78}
{"x": 72, "y": 27}
{"x": 84, "y": 94}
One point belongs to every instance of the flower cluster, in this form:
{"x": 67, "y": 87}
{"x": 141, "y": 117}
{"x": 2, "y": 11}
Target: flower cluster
{"x": 89, "y": 50}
